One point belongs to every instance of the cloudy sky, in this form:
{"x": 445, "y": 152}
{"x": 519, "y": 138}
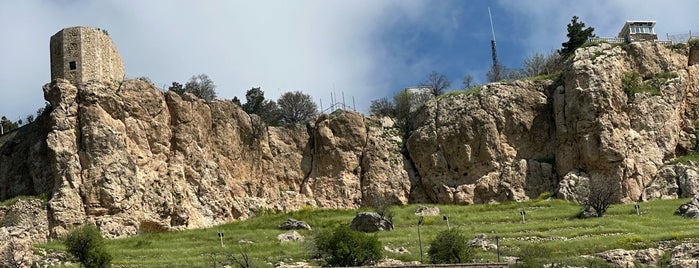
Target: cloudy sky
{"x": 364, "y": 49}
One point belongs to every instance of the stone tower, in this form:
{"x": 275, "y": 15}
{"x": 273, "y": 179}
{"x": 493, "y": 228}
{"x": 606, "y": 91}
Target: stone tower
{"x": 80, "y": 54}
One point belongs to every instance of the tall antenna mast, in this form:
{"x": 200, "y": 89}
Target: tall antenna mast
{"x": 492, "y": 41}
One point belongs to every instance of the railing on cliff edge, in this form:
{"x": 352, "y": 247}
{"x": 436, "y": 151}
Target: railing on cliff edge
{"x": 617, "y": 40}
{"x": 672, "y": 39}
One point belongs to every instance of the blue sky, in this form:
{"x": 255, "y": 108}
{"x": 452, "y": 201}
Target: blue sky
{"x": 366, "y": 49}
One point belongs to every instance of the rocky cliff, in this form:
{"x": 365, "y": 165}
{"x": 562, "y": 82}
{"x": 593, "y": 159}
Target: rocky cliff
{"x": 124, "y": 155}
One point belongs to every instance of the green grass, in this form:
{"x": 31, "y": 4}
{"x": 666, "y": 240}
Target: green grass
{"x": 694, "y": 157}
{"x": 633, "y": 84}
{"x": 551, "y": 230}
{"x": 44, "y": 197}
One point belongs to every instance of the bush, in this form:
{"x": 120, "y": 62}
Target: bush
{"x": 86, "y": 244}
{"x": 343, "y": 246}
{"x": 449, "y": 247}
{"x": 533, "y": 255}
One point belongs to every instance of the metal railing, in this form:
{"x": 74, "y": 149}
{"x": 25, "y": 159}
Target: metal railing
{"x": 617, "y": 40}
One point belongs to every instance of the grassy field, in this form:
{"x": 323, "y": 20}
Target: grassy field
{"x": 551, "y": 233}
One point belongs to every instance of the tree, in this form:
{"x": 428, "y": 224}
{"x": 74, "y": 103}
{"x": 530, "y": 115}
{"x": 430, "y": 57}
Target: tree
{"x": 449, "y": 247}
{"x": 177, "y": 88}
{"x": 437, "y": 83}
{"x": 342, "y": 246}
{"x": 296, "y": 107}
{"x": 499, "y": 72}
{"x": 86, "y": 244}
{"x": 202, "y": 87}
{"x": 468, "y": 82}
{"x": 577, "y": 36}
{"x": 495, "y": 73}
{"x": 601, "y": 193}
{"x": 382, "y": 107}
{"x": 265, "y": 109}
{"x": 237, "y": 101}
{"x": 6, "y": 125}
{"x": 535, "y": 65}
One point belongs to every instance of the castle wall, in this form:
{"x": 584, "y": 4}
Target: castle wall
{"x": 82, "y": 54}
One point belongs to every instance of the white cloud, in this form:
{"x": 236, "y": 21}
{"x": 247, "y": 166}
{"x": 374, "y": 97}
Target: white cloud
{"x": 313, "y": 46}
{"x": 366, "y": 49}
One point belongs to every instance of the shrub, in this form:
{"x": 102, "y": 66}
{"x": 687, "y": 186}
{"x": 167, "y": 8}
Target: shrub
{"x": 449, "y": 247}
{"x": 86, "y": 244}
{"x": 632, "y": 84}
{"x": 343, "y": 246}
{"x": 533, "y": 255}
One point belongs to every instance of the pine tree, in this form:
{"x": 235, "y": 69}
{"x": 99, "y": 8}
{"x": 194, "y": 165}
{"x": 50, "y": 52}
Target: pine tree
{"x": 578, "y": 35}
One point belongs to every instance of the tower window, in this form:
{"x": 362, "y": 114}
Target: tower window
{"x": 72, "y": 65}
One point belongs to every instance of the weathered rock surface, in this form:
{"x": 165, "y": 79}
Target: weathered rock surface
{"x": 689, "y": 210}
{"x": 685, "y": 255}
{"x": 481, "y": 241}
{"x": 673, "y": 181}
{"x": 119, "y": 155}
{"x": 290, "y": 236}
{"x": 21, "y": 224}
{"x": 290, "y": 224}
{"x": 629, "y": 258}
{"x": 486, "y": 147}
{"x": 427, "y": 211}
{"x": 370, "y": 222}
{"x": 601, "y": 132}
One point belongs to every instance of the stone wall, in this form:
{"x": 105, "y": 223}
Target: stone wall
{"x": 81, "y": 54}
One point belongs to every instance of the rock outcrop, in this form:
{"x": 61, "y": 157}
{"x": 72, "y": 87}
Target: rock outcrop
{"x": 119, "y": 155}
{"x": 490, "y": 146}
{"x": 370, "y": 222}
{"x": 123, "y": 154}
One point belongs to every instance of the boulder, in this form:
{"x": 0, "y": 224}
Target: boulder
{"x": 293, "y": 224}
{"x": 370, "y": 222}
{"x": 481, "y": 241}
{"x": 399, "y": 250}
{"x": 685, "y": 255}
{"x": 290, "y": 236}
{"x": 689, "y": 210}
{"x": 427, "y": 211}
{"x": 629, "y": 258}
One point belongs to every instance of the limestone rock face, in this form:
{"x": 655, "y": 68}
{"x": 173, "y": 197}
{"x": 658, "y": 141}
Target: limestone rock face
{"x": 620, "y": 141}
{"x": 21, "y": 224}
{"x": 486, "y": 147}
{"x": 673, "y": 181}
{"x": 123, "y": 155}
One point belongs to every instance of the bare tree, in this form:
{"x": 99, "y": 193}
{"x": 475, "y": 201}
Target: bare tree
{"x": 601, "y": 193}
{"x": 437, "y": 83}
{"x": 535, "y": 65}
{"x": 382, "y": 107}
{"x": 468, "y": 81}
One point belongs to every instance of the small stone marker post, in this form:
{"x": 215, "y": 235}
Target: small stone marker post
{"x": 220, "y": 236}
{"x": 637, "y": 207}
{"x": 523, "y": 213}
{"x": 419, "y": 222}
{"x": 446, "y": 218}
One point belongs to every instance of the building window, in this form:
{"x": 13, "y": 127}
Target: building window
{"x": 72, "y": 65}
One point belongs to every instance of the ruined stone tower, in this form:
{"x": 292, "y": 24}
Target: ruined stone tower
{"x": 82, "y": 54}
